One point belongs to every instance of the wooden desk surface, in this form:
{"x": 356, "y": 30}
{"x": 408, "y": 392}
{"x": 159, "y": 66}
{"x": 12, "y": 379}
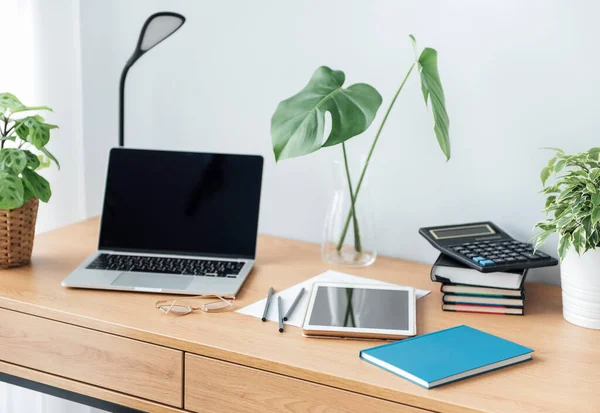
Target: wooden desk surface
{"x": 564, "y": 375}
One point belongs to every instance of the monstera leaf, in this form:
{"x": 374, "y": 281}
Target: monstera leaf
{"x": 8, "y": 101}
{"x": 33, "y": 130}
{"x": 431, "y": 86}
{"x": 297, "y": 126}
{"x": 11, "y": 189}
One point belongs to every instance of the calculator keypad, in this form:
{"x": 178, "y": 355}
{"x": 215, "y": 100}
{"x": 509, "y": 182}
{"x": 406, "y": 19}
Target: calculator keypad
{"x": 486, "y": 253}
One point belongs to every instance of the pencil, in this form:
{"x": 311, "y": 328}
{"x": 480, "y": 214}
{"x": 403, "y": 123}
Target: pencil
{"x": 289, "y": 312}
{"x": 264, "y": 317}
{"x": 280, "y": 310}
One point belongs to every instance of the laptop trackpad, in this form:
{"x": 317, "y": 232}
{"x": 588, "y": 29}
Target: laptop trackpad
{"x": 152, "y": 280}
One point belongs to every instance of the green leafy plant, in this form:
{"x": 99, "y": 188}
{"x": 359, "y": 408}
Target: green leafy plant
{"x": 572, "y": 202}
{"x": 20, "y": 137}
{"x": 297, "y": 126}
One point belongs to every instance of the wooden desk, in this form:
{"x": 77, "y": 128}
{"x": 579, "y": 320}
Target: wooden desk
{"x": 115, "y": 346}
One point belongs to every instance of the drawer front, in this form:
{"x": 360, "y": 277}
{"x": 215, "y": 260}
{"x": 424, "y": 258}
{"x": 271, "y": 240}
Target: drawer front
{"x": 85, "y": 389}
{"x": 128, "y": 366}
{"x": 216, "y": 386}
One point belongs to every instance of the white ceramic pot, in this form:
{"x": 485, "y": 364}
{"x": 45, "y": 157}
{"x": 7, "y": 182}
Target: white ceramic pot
{"x": 580, "y": 280}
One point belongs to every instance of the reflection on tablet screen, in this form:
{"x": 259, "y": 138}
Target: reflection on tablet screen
{"x": 360, "y": 308}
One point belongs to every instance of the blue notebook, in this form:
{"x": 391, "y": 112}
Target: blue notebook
{"x": 445, "y": 356}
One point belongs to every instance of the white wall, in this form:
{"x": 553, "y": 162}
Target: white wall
{"x": 518, "y": 76}
{"x": 44, "y": 68}
{"x": 41, "y": 64}
{"x": 57, "y": 83}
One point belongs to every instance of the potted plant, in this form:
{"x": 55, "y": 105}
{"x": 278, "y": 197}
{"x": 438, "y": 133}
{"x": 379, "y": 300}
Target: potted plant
{"x": 21, "y": 187}
{"x": 297, "y": 128}
{"x": 573, "y": 213}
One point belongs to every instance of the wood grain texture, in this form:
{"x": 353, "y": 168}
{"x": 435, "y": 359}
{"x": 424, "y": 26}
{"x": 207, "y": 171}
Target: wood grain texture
{"x": 563, "y": 376}
{"x": 86, "y": 389}
{"x": 217, "y": 386}
{"x": 117, "y": 363}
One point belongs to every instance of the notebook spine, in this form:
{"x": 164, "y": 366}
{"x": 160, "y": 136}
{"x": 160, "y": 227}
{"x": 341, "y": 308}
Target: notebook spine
{"x": 493, "y": 297}
{"x": 458, "y": 310}
{"x": 451, "y": 284}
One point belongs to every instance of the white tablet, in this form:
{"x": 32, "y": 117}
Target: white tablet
{"x": 362, "y": 311}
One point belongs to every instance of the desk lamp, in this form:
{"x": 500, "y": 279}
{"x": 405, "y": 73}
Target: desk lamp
{"x": 157, "y": 28}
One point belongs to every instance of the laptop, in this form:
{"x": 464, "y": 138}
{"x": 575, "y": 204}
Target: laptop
{"x": 175, "y": 222}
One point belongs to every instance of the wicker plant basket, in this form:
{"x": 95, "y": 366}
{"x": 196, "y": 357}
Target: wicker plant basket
{"x": 17, "y": 230}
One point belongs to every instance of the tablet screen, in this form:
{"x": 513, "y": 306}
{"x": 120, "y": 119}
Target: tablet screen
{"x": 360, "y": 308}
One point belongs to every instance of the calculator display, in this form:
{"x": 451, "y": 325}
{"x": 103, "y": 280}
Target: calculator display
{"x": 460, "y": 232}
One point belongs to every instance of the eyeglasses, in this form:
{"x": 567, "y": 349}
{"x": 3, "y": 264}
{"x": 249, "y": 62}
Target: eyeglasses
{"x": 176, "y": 307}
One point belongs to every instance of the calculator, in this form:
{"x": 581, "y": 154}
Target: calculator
{"x": 485, "y": 247}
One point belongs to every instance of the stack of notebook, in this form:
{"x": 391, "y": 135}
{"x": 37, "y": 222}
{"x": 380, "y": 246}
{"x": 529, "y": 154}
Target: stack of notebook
{"x": 468, "y": 290}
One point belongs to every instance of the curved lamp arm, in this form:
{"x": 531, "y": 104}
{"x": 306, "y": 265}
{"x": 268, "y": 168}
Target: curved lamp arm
{"x": 157, "y": 28}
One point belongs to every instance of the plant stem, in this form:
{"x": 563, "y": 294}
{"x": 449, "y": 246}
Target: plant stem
{"x": 364, "y": 171}
{"x": 357, "y": 244}
{"x": 4, "y": 133}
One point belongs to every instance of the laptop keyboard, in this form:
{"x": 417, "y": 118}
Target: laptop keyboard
{"x": 165, "y": 265}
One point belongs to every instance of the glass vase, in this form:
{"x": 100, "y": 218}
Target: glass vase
{"x": 349, "y": 233}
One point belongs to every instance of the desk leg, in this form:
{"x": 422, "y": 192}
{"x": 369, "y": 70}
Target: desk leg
{"x": 65, "y": 394}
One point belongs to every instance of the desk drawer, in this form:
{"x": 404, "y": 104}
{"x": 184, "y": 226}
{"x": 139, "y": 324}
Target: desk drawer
{"x": 121, "y": 364}
{"x": 214, "y": 386}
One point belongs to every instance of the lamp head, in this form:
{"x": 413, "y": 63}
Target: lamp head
{"x": 157, "y": 28}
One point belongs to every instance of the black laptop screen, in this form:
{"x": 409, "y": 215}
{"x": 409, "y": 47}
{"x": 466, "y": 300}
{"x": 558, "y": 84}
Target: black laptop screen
{"x": 181, "y": 202}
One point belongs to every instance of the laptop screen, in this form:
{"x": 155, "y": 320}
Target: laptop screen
{"x": 181, "y": 203}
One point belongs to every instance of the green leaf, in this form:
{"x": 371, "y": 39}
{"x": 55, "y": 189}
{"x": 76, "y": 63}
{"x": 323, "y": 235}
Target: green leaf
{"x": 541, "y": 238}
{"x": 595, "y": 215}
{"x": 559, "y": 152}
{"x": 33, "y": 161}
{"x": 560, "y": 210}
{"x": 594, "y": 239}
{"x": 32, "y": 129}
{"x": 413, "y": 41}
{"x": 297, "y": 126}
{"x": 27, "y": 194}
{"x": 590, "y": 187}
{"x": 559, "y": 166}
{"x": 44, "y": 162}
{"x": 545, "y": 175}
{"x": 564, "y": 221}
{"x": 594, "y": 152}
{"x": 546, "y": 226}
{"x": 431, "y": 86}
{"x": 27, "y": 108}
{"x": 564, "y": 242}
{"x": 579, "y": 239}
{"x": 8, "y": 101}
{"x": 13, "y": 158}
{"x": 11, "y": 190}
{"x": 37, "y": 185}
{"x": 50, "y": 156}
{"x": 566, "y": 193}
{"x": 550, "y": 200}
{"x": 596, "y": 199}
{"x": 595, "y": 174}
{"x": 554, "y": 189}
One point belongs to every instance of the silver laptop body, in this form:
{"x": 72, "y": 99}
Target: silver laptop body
{"x": 176, "y": 223}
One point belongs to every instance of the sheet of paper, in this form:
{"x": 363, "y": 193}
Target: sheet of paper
{"x": 288, "y": 296}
